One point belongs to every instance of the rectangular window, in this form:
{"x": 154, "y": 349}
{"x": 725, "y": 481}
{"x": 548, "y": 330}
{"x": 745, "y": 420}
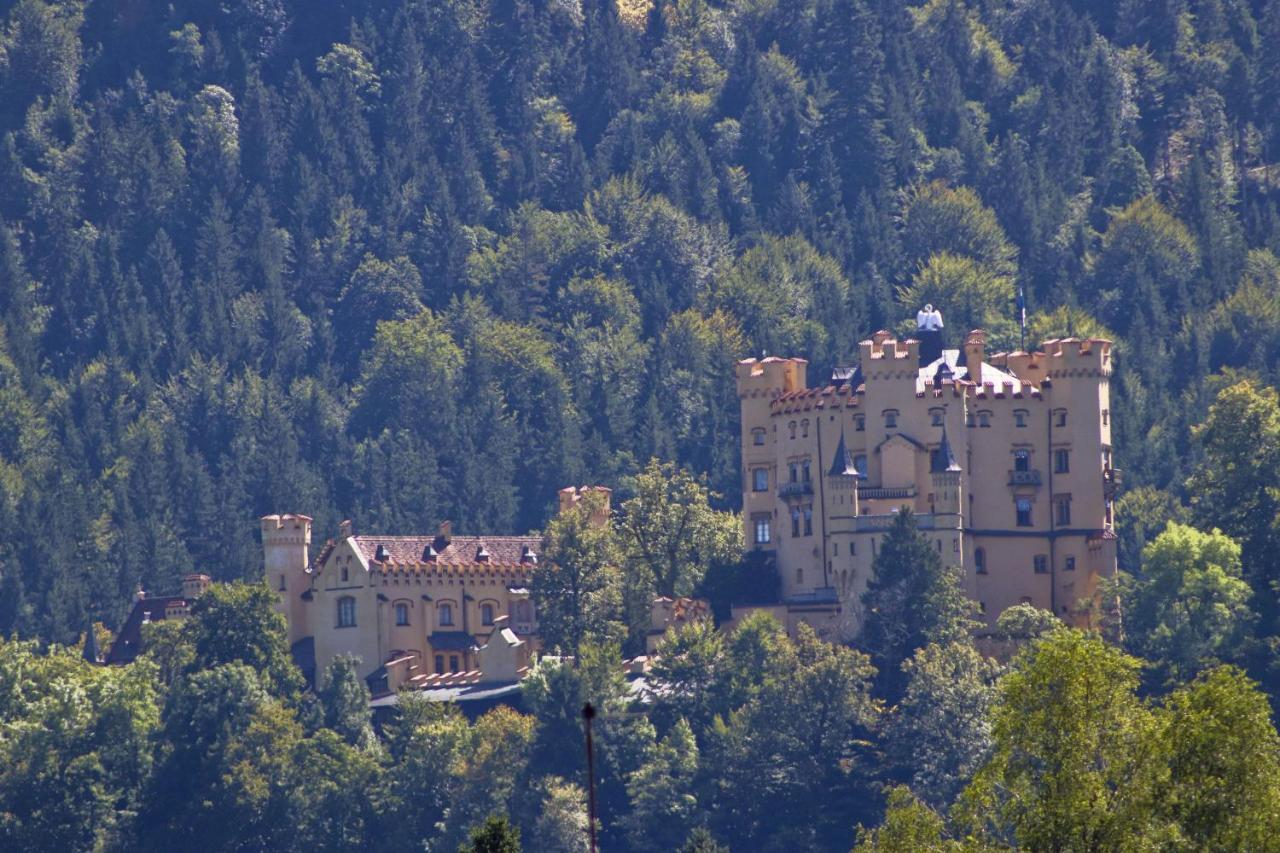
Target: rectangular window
{"x": 859, "y": 423}
{"x": 835, "y": 549}
{"x": 762, "y": 531}
{"x": 402, "y": 614}
{"x": 804, "y": 470}
{"x": 936, "y": 415}
{"x": 757, "y": 437}
{"x": 453, "y": 663}
{"x": 1071, "y": 564}
{"x": 446, "y": 614}
{"x": 1019, "y": 418}
{"x": 1060, "y": 417}
{"x": 346, "y": 612}
{"x": 439, "y": 663}
{"x": 1106, "y": 417}
{"x": 891, "y": 419}
{"x": 795, "y": 524}
{"x": 1023, "y": 508}
{"x": 760, "y": 479}
{"x": 808, "y": 521}
{"x": 1063, "y": 507}
{"x": 1022, "y": 460}
{"x": 984, "y": 419}
{"x": 1061, "y": 461}
{"x": 1041, "y": 564}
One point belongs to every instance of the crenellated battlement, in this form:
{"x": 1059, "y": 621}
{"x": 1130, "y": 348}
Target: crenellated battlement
{"x": 286, "y": 529}
{"x": 884, "y": 347}
{"x": 771, "y": 376}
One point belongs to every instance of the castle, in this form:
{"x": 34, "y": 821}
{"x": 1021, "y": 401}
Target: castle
{"x": 416, "y": 610}
{"x": 1004, "y": 458}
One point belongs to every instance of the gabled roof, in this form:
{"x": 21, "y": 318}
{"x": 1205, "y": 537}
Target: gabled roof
{"x": 128, "y": 642}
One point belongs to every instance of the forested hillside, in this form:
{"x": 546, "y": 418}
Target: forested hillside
{"x": 407, "y": 261}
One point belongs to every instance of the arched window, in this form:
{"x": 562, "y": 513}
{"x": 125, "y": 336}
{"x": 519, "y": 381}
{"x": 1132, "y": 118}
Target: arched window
{"x": 980, "y": 560}
{"x": 402, "y": 613}
{"x": 346, "y": 612}
{"x": 486, "y": 614}
{"x": 444, "y": 613}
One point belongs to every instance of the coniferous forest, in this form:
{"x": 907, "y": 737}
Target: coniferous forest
{"x": 402, "y": 262}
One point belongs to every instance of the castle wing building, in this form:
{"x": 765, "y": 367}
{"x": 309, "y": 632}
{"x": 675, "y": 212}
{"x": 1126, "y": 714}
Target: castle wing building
{"x": 1005, "y": 458}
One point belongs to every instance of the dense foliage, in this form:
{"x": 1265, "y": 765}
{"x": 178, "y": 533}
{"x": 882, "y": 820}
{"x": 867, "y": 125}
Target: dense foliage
{"x": 402, "y": 262}
{"x": 413, "y": 261}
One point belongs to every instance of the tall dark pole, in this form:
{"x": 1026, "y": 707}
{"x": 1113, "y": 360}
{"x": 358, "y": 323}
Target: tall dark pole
{"x": 588, "y": 714}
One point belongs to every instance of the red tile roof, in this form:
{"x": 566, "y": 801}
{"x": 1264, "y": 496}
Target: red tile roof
{"x": 402, "y": 551}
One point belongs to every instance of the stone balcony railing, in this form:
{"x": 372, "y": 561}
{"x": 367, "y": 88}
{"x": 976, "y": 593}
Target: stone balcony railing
{"x": 873, "y": 493}
{"x": 795, "y": 490}
{"x": 1024, "y": 478}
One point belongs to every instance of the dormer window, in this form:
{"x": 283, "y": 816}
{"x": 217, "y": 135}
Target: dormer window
{"x": 891, "y": 419}
{"x": 527, "y": 555}
{"x": 381, "y": 554}
{"x": 482, "y": 554}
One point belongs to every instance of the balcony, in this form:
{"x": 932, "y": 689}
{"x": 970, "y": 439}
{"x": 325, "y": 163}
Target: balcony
{"x": 866, "y": 523}
{"x": 1111, "y": 481}
{"x": 795, "y": 490}
{"x": 1024, "y": 478}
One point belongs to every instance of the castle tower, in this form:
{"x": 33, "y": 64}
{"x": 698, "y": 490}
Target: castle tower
{"x": 286, "y": 540}
{"x": 760, "y": 382}
{"x": 944, "y": 472}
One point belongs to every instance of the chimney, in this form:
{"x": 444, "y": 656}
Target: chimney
{"x": 346, "y": 529}
{"x": 444, "y": 532}
{"x": 975, "y": 346}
